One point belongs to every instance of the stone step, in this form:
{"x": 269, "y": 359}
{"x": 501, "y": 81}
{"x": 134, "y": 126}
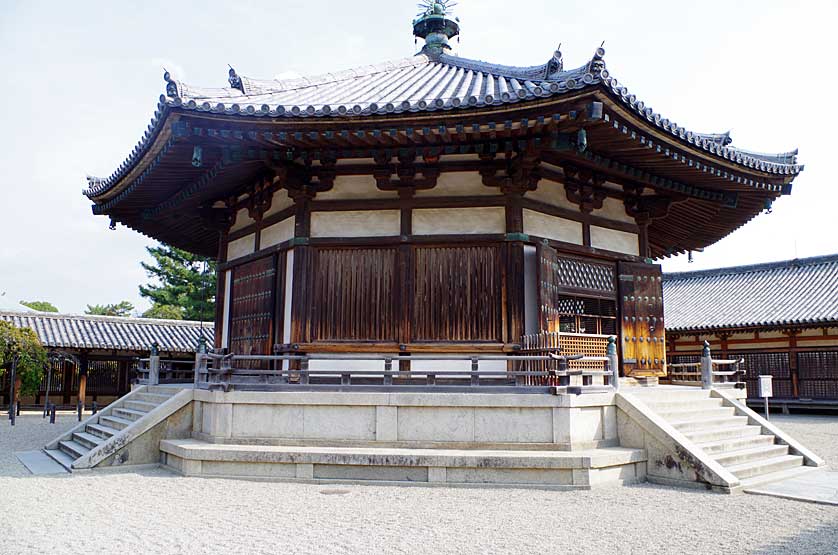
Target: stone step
{"x": 696, "y": 414}
{"x": 767, "y": 466}
{"x": 115, "y": 422}
{"x": 73, "y": 448}
{"x": 129, "y": 414}
{"x": 709, "y": 423}
{"x": 718, "y": 434}
{"x": 61, "y": 458}
{"x": 736, "y": 444}
{"x": 142, "y": 406}
{"x": 786, "y": 474}
{"x": 683, "y": 405}
{"x": 153, "y": 398}
{"x": 91, "y": 441}
{"x": 162, "y": 390}
{"x": 670, "y": 394}
{"x": 101, "y": 430}
{"x": 731, "y": 458}
{"x": 563, "y": 469}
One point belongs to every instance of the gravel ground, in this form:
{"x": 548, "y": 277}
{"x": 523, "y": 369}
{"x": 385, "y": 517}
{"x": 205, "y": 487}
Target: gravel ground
{"x": 156, "y": 512}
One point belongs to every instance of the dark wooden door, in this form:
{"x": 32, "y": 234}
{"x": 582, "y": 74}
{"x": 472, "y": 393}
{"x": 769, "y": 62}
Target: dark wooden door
{"x": 641, "y": 315}
{"x": 252, "y": 307}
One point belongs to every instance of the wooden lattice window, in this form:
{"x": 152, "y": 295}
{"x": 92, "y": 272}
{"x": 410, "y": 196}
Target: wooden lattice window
{"x": 774, "y": 364}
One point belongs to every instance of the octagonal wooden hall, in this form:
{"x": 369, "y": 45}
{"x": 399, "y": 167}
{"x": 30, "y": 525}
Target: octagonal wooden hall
{"x": 436, "y": 204}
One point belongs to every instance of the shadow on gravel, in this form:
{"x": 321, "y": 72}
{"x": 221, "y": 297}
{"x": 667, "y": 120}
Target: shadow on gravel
{"x": 823, "y": 540}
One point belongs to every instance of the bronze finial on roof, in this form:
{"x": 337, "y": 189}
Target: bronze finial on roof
{"x": 434, "y": 25}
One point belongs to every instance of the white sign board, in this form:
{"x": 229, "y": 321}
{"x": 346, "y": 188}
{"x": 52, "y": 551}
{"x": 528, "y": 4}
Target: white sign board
{"x": 765, "y": 387}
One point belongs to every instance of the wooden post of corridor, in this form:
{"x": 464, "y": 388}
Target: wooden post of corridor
{"x": 82, "y": 381}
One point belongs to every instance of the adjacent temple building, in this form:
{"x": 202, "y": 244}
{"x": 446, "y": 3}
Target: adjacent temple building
{"x": 425, "y": 208}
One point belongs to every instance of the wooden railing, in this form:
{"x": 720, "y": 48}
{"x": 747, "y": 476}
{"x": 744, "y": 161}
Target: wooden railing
{"x": 705, "y": 373}
{"x": 546, "y": 373}
{"x": 154, "y": 370}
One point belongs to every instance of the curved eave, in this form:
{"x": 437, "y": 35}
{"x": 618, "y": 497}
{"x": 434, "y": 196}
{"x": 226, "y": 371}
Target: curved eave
{"x": 580, "y": 80}
{"x": 751, "y": 326}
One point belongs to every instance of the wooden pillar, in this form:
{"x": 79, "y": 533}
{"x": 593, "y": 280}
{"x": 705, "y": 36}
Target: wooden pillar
{"x": 69, "y": 369}
{"x": 406, "y": 269}
{"x": 723, "y": 337}
{"x": 301, "y": 273}
{"x": 83, "y": 379}
{"x": 793, "y": 370}
{"x": 220, "y": 288}
{"x": 514, "y": 297}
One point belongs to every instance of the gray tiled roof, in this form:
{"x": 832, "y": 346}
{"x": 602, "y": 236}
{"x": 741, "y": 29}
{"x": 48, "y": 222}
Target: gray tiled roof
{"x": 422, "y": 83}
{"x": 792, "y": 292}
{"x": 66, "y": 331}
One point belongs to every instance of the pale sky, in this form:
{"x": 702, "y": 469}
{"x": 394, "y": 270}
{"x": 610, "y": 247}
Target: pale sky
{"x": 80, "y": 81}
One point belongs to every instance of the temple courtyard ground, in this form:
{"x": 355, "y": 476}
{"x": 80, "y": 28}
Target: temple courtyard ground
{"x": 154, "y": 511}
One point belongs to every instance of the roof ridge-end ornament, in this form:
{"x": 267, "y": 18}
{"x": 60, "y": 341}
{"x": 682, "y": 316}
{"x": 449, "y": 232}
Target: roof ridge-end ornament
{"x": 597, "y": 63}
{"x": 172, "y": 86}
{"x": 556, "y": 64}
{"x": 234, "y": 79}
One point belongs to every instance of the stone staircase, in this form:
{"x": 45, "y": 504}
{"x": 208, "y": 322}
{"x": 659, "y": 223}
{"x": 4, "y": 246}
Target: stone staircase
{"x": 102, "y": 428}
{"x": 747, "y": 450}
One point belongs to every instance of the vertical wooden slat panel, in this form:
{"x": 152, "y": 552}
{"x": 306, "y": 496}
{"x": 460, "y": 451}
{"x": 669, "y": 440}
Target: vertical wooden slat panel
{"x": 354, "y": 295}
{"x": 457, "y": 294}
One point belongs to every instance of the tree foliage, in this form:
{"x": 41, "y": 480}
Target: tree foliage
{"x": 122, "y": 309}
{"x": 22, "y": 344}
{"x": 164, "y": 312}
{"x": 181, "y": 280}
{"x": 42, "y": 306}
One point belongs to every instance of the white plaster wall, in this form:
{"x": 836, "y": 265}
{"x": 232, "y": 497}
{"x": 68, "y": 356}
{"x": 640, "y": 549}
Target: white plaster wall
{"x": 344, "y": 365}
{"x": 552, "y": 227}
{"x": 280, "y": 202}
{"x": 553, "y": 194}
{"x": 614, "y": 240}
{"x": 459, "y": 221}
{"x": 242, "y": 220}
{"x": 277, "y": 233}
{"x": 225, "y": 323}
{"x": 355, "y": 187}
{"x": 362, "y": 223}
{"x": 241, "y": 247}
{"x": 456, "y": 365}
{"x": 459, "y": 184}
{"x": 613, "y": 209}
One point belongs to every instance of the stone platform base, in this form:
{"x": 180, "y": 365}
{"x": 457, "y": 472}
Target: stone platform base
{"x": 551, "y": 469}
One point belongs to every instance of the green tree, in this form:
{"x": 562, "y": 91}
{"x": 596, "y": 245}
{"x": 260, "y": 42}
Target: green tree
{"x": 122, "y": 309}
{"x": 22, "y": 344}
{"x": 42, "y": 306}
{"x": 164, "y": 312}
{"x": 181, "y": 280}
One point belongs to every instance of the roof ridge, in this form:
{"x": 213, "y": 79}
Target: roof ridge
{"x": 752, "y": 268}
{"x": 115, "y": 319}
{"x": 337, "y": 76}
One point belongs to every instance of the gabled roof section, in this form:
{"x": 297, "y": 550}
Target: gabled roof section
{"x": 423, "y": 83}
{"x": 70, "y": 331}
{"x": 789, "y": 293}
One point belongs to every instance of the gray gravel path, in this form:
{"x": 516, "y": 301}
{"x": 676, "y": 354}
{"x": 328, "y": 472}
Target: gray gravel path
{"x": 156, "y": 512}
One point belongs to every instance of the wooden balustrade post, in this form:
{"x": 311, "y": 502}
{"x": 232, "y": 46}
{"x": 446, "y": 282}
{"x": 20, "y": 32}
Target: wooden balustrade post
{"x": 613, "y": 362}
{"x": 706, "y": 367}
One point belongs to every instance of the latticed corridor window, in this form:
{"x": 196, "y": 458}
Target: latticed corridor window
{"x": 585, "y": 315}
